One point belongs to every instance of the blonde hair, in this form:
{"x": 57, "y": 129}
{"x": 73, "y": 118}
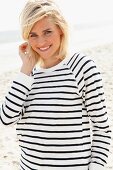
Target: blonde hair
{"x": 34, "y": 11}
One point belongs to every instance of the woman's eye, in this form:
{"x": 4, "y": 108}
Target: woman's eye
{"x": 33, "y": 35}
{"x": 48, "y": 32}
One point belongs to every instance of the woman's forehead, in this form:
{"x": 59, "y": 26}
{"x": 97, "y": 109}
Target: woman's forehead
{"x": 44, "y": 23}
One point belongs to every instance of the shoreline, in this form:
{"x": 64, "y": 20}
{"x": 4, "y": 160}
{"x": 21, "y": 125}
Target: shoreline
{"x": 82, "y": 37}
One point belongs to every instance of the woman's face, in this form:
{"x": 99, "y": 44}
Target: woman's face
{"x": 45, "y": 38}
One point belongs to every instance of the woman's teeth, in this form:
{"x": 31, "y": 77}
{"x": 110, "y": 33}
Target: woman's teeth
{"x": 45, "y": 48}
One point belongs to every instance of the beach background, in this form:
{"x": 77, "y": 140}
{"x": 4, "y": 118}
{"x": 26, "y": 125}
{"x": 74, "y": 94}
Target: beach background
{"x": 91, "y": 28}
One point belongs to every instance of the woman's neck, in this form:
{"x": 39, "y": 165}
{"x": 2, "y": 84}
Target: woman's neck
{"x": 50, "y": 63}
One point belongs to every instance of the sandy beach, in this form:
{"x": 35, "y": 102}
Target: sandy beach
{"x": 9, "y": 150}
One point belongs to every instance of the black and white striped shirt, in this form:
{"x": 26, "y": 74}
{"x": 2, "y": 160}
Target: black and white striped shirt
{"x": 52, "y": 109}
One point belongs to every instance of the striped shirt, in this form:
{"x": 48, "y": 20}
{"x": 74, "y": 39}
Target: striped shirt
{"x": 61, "y": 116}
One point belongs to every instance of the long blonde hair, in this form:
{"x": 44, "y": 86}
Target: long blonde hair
{"x": 36, "y": 10}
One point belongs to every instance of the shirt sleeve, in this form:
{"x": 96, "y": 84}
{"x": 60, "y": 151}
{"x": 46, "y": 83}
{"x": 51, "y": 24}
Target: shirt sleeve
{"x": 96, "y": 108}
{"x": 13, "y": 106}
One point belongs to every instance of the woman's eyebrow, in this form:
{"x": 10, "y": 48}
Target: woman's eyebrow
{"x": 34, "y": 33}
{"x": 48, "y": 29}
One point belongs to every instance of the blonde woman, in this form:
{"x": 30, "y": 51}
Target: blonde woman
{"x": 54, "y": 96}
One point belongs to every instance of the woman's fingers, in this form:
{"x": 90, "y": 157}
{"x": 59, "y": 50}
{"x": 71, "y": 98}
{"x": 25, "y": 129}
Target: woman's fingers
{"x": 28, "y": 60}
{"x": 23, "y": 50}
{"x": 23, "y": 47}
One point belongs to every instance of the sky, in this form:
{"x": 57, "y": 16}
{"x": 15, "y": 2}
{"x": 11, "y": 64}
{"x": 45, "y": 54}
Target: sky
{"x": 75, "y": 11}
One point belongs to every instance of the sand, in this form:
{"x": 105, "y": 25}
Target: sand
{"x": 9, "y": 150}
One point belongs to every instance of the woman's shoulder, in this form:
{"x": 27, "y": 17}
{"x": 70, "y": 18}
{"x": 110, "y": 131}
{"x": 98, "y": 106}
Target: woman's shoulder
{"x": 80, "y": 59}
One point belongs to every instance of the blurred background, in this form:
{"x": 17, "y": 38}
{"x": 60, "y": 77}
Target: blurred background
{"x": 91, "y": 24}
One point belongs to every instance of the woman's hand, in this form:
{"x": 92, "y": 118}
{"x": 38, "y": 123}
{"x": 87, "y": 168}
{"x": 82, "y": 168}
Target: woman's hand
{"x": 28, "y": 61}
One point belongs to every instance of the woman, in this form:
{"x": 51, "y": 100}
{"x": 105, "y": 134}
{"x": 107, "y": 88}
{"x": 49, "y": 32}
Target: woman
{"x": 55, "y": 96}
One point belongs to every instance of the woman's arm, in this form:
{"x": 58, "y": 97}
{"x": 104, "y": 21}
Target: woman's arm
{"x": 13, "y": 106}
{"x": 96, "y": 108}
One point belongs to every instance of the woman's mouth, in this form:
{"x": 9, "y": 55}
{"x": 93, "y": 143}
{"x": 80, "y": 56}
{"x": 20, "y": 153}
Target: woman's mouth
{"x": 44, "y": 48}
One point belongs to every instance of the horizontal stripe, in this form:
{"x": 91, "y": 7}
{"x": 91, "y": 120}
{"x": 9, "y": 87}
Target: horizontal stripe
{"x": 56, "y": 75}
{"x": 7, "y": 114}
{"x": 49, "y": 158}
{"x": 52, "y": 118}
{"x": 16, "y": 96}
{"x": 12, "y": 102}
{"x": 54, "y": 98}
{"x": 21, "y": 85}
{"x": 97, "y": 157}
{"x": 51, "y": 165}
{"x": 53, "y": 86}
{"x": 52, "y": 138}
{"x": 50, "y": 145}
{"x": 16, "y": 89}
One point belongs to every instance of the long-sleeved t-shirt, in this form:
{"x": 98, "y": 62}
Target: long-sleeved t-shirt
{"x": 61, "y": 116}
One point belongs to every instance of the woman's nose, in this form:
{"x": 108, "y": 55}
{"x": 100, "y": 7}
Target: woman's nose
{"x": 41, "y": 41}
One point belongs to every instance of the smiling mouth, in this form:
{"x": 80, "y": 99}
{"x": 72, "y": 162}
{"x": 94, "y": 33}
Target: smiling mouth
{"x": 44, "y": 48}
